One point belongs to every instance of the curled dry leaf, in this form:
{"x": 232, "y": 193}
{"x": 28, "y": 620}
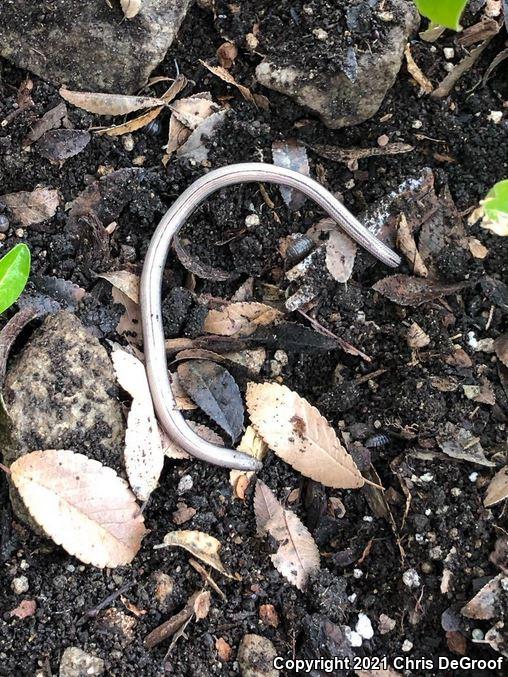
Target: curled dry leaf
{"x": 297, "y": 556}
{"x": 291, "y": 155}
{"x": 172, "y": 625}
{"x": 240, "y": 319}
{"x": 300, "y": 435}
{"x": 31, "y": 207}
{"x": 200, "y": 545}
{"x": 130, "y": 8}
{"x": 416, "y": 337}
{"x": 497, "y": 490}
{"x": 407, "y": 245}
{"x": 340, "y": 249}
{"x": 143, "y": 454}
{"x": 82, "y": 505}
{"x": 215, "y": 391}
{"x": 187, "y": 115}
{"x": 202, "y": 605}
{"x": 193, "y": 265}
{"x": 50, "y": 120}
{"x": 223, "y": 74}
{"x": 109, "y": 104}
{"x": 126, "y": 292}
{"x": 477, "y": 249}
{"x": 226, "y": 54}
{"x": 413, "y": 291}
{"x": 252, "y": 444}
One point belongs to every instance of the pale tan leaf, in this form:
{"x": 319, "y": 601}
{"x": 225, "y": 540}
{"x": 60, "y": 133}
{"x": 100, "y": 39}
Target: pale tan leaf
{"x": 240, "y": 319}
{"x": 240, "y": 480}
{"x": 300, "y": 435}
{"x": 143, "y": 453}
{"x": 223, "y": 74}
{"x": 340, "y": 249}
{"x": 172, "y": 450}
{"x": 416, "y": 337}
{"x": 124, "y": 281}
{"x": 130, "y": 8}
{"x": 82, "y": 505}
{"x": 202, "y": 605}
{"x": 30, "y": 207}
{"x": 109, "y": 104}
{"x": 226, "y": 54}
{"x": 252, "y": 359}
{"x": 200, "y": 545}
{"x": 254, "y": 445}
{"x": 407, "y": 245}
{"x": 297, "y": 556}
{"x": 187, "y": 114}
{"x": 497, "y": 490}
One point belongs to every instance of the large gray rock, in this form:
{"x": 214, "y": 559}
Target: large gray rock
{"x": 337, "y": 99}
{"x": 88, "y": 45}
{"x": 77, "y": 663}
{"x": 60, "y": 393}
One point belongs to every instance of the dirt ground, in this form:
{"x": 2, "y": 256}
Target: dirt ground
{"x": 362, "y": 563}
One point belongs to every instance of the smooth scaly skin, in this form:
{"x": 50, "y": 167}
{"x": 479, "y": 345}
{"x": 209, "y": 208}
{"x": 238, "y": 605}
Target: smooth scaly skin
{"x": 150, "y": 292}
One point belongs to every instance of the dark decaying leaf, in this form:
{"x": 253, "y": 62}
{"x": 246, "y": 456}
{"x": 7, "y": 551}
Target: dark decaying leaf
{"x": 459, "y": 443}
{"x": 12, "y": 330}
{"x": 60, "y": 144}
{"x": 293, "y": 338}
{"x": 64, "y": 292}
{"x": 215, "y": 391}
{"x": 291, "y": 155}
{"x": 496, "y": 291}
{"x": 413, "y": 291}
{"x": 202, "y": 270}
{"x": 50, "y": 120}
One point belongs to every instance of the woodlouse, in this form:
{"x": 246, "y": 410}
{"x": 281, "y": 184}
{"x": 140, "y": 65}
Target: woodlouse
{"x": 377, "y": 441}
{"x": 299, "y": 248}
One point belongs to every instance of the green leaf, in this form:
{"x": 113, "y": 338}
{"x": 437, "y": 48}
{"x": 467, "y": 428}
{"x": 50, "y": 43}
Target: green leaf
{"x": 14, "y": 272}
{"x": 443, "y": 12}
{"x": 495, "y": 209}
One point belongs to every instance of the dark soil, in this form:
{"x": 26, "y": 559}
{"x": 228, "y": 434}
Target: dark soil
{"x": 445, "y": 510}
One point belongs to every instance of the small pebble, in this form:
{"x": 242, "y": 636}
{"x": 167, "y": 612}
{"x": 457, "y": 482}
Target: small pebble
{"x": 495, "y": 116}
{"x": 477, "y": 635}
{"x": 472, "y": 340}
{"x": 455, "y": 492}
{"x": 449, "y": 52}
{"x": 427, "y": 567}
{"x": 407, "y": 646}
{"x": 19, "y": 585}
{"x": 436, "y": 552}
{"x": 386, "y": 16}
{"x": 4, "y": 223}
{"x": 427, "y": 477}
{"x": 364, "y": 627}
{"x": 368, "y": 518}
{"x": 320, "y": 34}
{"x": 383, "y": 140}
{"x": 185, "y": 484}
{"x": 281, "y": 356}
{"x": 20, "y": 232}
{"x": 449, "y": 66}
{"x": 252, "y": 220}
{"x": 473, "y": 477}
{"x": 411, "y": 579}
{"x": 352, "y": 597}
{"x": 352, "y": 636}
{"x": 417, "y": 124}
{"x": 357, "y": 573}
{"x": 128, "y": 142}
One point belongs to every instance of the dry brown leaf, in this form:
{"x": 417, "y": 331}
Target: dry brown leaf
{"x": 497, "y": 490}
{"x": 224, "y": 650}
{"x": 240, "y": 319}
{"x": 340, "y": 249}
{"x": 130, "y": 8}
{"x": 100, "y": 103}
{"x": 30, "y": 207}
{"x": 226, "y": 54}
{"x": 297, "y": 556}
{"x": 202, "y": 605}
{"x": 200, "y": 545}
{"x": 459, "y": 358}
{"x": 416, "y": 337}
{"x": 82, "y": 505}
{"x": 188, "y": 113}
{"x": 223, "y": 74}
{"x": 407, "y": 245}
{"x": 501, "y": 348}
{"x": 300, "y": 435}
{"x": 124, "y": 281}
{"x": 252, "y": 359}
{"x": 143, "y": 453}
{"x": 183, "y": 401}
{"x": 252, "y": 444}
{"x": 170, "y": 449}
{"x": 477, "y": 249}
{"x": 268, "y": 615}
{"x": 25, "y": 609}
{"x": 206, "y": 577}
{"x": 182, "y": 514}
{"x": 52, "y": 119}
{"x": 413, "y": 291}
{"x": 416, "y": 72}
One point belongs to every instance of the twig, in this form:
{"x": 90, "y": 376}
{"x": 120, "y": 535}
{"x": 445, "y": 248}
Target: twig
{"x": 347, "y": 347}
{"x": 105, "y": 602}
{"x": 462, "y": 67}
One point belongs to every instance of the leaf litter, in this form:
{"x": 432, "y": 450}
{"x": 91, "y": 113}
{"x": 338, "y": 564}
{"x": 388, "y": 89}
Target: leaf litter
{"x": 200, "y": 545}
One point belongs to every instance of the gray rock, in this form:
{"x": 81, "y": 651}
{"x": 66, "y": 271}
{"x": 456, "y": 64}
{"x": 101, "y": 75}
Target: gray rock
{"x": 77, "y": 663}
{"x": 255, "y": 657}
{"x": 60, "y": 394}
{"x": 88, "y": 45}
{"x": 337, "y": 99}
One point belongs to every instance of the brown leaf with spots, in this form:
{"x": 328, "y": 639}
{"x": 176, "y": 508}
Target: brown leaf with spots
{"x": 297, "y": 556}
{"x": 240, "y": 319}
{"x": 200, "y": 545}
{"x": 406, "y": 290}
{"x": 300, "y": 435}
{"x": 82, "y": 505}
{"x": 31, "y": 207}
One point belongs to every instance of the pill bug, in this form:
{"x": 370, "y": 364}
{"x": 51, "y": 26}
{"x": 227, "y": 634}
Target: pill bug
{"x": 377, "y": 441}
{"x": 154, "y": 127}
{"x": 300, "y": 247}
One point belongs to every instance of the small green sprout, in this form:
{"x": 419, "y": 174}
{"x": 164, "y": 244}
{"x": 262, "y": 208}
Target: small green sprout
{"x": 443, "y": 12}
{"x": 495, "y": 209}
{"x": 14, "y": 272}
